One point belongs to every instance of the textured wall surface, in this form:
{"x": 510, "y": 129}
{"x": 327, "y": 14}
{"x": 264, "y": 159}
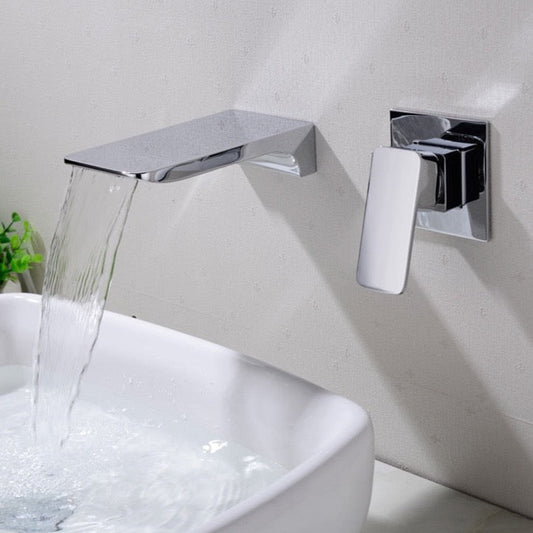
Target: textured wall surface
{"x": 265, "y": 263}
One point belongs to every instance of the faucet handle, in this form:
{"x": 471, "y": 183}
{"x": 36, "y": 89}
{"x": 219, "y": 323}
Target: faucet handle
{"x": 434, "y": 176}
{"x": 400, "y": 181}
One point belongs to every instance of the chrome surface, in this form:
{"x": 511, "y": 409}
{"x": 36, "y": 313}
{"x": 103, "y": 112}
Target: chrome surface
{"x": 399, "y": 181}
{"x": 470, "y": 139}
{"x": 205, "y": 144}
{"x": 434, "y": 175}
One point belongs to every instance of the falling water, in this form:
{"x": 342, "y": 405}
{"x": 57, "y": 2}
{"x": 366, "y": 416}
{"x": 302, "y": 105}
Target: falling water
{"x": 102, "y": 471}
{"x": 75, "y": 289}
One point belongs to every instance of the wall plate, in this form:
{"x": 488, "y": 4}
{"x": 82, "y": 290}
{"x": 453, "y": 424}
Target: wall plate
{"x": 470, "y": 221}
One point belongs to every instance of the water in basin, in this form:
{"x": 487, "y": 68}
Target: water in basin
{"x": 116, "y": 474}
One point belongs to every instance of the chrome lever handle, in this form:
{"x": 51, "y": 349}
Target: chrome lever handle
{"x": 400, "y": 181}
{"x": 434, "y": 176}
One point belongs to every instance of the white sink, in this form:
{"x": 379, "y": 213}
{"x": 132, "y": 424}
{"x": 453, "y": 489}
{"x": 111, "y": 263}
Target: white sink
{"x": 323, "y": 440}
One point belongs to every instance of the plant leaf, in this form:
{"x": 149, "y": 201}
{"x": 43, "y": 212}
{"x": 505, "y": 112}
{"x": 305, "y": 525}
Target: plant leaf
{"x": 15, "y": 242}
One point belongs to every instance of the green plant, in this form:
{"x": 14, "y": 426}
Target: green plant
{"x": 15, "y": 257}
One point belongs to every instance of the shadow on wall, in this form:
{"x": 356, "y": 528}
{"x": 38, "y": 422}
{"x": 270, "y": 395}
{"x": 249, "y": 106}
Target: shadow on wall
{"x": 497, "y": 270}
{"x": 455, "y": 420}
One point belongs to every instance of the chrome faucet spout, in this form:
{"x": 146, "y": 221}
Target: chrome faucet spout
{"x": 205, "y": 144}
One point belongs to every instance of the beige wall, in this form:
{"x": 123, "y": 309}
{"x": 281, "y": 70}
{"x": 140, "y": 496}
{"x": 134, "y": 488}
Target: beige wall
{"x": 266, "y": 264}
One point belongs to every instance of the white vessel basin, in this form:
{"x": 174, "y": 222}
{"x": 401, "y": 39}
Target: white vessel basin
{"x": 323, "y": 440}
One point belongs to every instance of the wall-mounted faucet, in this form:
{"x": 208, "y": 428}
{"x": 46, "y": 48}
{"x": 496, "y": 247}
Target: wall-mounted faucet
{"x": 205, "y": 144}
{"x": 434, "y": 174}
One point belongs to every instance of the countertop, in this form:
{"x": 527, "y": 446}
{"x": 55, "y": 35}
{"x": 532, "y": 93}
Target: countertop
{"x": 405, "y": 503}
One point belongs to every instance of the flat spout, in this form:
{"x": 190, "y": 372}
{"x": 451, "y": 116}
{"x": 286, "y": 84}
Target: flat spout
{"x": 206, "y": 144}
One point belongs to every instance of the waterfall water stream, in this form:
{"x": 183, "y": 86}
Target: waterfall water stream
{"x": 75, "y": 289}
